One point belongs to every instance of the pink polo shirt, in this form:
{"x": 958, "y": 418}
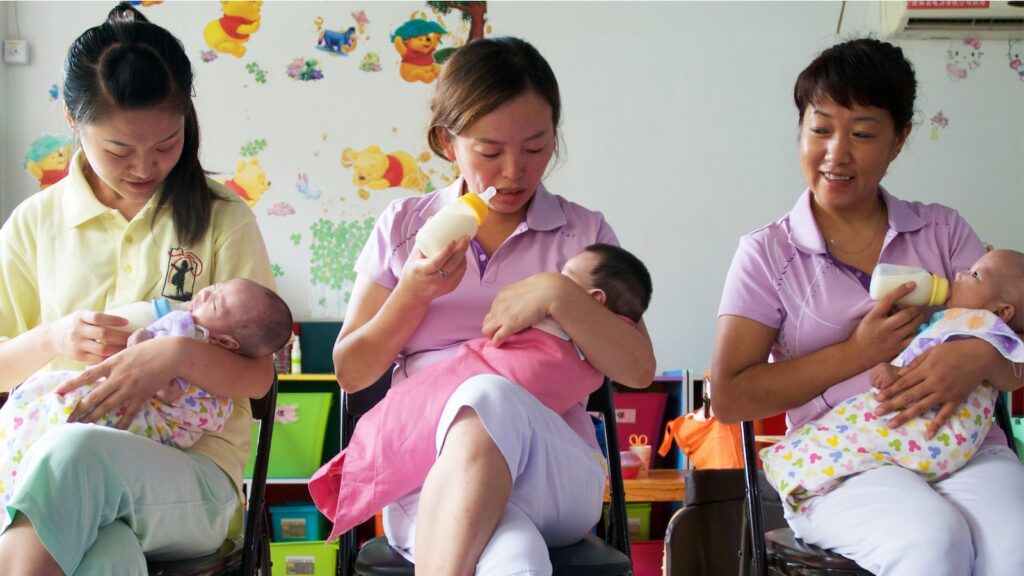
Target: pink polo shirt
{"x": 782, "y": 276}
{"x": 554, "y": 231}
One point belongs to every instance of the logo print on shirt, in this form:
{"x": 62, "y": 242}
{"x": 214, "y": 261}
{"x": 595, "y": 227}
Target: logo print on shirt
{"x": 183, "y": 267}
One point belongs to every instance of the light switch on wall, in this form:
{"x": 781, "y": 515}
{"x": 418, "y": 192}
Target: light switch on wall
{"x": 15, "y": 52}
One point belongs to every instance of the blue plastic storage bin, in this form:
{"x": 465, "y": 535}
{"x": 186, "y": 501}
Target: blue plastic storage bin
{"x": 296, "y": 521}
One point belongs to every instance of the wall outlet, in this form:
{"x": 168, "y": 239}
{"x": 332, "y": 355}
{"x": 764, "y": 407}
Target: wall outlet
{"x": 16, "y": 52}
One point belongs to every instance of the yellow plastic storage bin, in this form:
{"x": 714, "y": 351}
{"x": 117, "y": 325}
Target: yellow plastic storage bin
{"x": 306, "y": 558}
{"x": 299, "y": 428}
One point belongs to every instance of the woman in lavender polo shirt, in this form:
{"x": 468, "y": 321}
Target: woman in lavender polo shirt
{"x": 797, "y": 331}
{"x": 511, "y": 477}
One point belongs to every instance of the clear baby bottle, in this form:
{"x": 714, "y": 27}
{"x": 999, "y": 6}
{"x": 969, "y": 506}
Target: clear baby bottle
{"x": 458, "y": 219}
{"x": 931, "y": 290}
{"x": 142, "y": 314}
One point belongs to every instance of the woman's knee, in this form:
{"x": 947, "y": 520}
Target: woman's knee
{"x": 68, "y": 447}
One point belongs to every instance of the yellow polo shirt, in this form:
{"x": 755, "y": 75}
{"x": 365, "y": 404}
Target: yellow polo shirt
{"x": 62, "y": 250}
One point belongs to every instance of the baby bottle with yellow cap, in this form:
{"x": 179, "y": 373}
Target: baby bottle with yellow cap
{"x": 931, "y": 290}
{"x": 142, "y": 314}
{"x": 458, "y": 219}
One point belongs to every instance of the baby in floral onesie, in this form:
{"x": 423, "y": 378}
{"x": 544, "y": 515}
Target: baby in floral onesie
{"x": 986, "y": 302}
{"x": 240, "y": 315}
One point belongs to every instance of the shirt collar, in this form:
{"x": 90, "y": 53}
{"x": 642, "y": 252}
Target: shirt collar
{"x": 544, "y": 213}
{"x": 806, "y": 236}
{"x": 81, "y": 204}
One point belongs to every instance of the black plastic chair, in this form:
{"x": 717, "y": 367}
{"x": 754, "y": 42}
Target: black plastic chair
{"x": 252, "y": 555}
{"x": 704, "y": 536}
{"x": 592, "y": 556}
{"x": 779, "y": 551}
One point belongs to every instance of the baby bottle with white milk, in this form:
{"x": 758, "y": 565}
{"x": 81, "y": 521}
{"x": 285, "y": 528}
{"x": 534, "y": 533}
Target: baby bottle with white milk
{"x": 931, "y": 290}
{"x": 142, "y": 314}
{"x": 458, "y": 219}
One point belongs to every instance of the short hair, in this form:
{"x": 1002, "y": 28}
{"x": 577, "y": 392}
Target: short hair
{"x": 265, "y": 324}
{"x": 623, "y": 278}
{"x": 864, "y": 71}
{"x": 1012, "y": 275}
{"x": 482, "y": 76}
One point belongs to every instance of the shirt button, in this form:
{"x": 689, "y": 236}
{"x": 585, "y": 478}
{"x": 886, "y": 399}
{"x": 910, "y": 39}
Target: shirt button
{"x": 128, "y": 269}
{"x": 483, "y": 257}
{"x": 129, "y": 238}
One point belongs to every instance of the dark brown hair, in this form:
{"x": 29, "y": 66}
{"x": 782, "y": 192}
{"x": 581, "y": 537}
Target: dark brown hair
{"x": 865, "y": 72}
{"x": 623, "y": 278}
{"x": 265, "y": 324}
{"x": 482, "y": 76}
{"x": 127, "y": 63}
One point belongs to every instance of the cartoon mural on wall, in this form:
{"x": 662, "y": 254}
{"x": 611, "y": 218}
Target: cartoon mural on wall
{"x": 373, "y": 169}
{"x": 333, "y": 252}
{"x": 938, "y": 121}
{"x": 416, "y": 41}
{"x": 230, "y": 32}
{"x": 340, "y": 42}
{"x": 249, "y": 181}
{"x": 475, "y": 13}
{"x": 1015, "y": 53}
{"x": 304, "y": 69}
{"x": 47, "y": 159}
{"x": 962, "y": 57}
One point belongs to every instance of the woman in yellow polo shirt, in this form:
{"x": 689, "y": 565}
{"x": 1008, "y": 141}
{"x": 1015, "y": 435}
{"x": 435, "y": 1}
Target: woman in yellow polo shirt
{"x": 135, "y": 218}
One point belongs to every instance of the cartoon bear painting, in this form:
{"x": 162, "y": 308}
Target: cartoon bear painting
{"x": 373, "y": 169}
{"x": 230, "y": 32}
{"x": 249, "y": 181}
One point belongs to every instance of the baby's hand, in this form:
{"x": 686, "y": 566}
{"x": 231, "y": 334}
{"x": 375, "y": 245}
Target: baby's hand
{"x": 169, "y": 393}
{"x": 140, "y": 335}
{"x": 882, "y": 375}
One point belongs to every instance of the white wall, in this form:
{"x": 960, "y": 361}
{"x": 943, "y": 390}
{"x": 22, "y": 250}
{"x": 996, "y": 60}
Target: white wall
{"x": 678, "y": 121}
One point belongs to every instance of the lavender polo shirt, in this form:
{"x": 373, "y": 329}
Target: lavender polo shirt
{"x": 782, "y": 276}
{"x": 554, "y": 231}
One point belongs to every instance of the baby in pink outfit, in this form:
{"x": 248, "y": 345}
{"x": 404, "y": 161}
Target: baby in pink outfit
{"x": 393, "y": 445}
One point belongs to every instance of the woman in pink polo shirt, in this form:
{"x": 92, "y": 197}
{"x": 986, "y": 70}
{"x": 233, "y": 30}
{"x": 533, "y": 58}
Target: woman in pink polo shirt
{"x": 797, "y": 331}
{"x": 511, "y": 476}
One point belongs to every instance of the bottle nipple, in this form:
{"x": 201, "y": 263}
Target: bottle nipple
{"x": 940, "y": 291}
{"x": 478, "y": 203}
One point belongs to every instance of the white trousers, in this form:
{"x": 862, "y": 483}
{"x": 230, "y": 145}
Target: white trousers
{"x": 893, "y": 523}
{"x": 557, "y": 480}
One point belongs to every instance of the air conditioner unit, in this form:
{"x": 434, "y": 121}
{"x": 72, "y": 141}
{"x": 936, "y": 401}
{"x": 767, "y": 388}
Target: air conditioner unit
{"x": 953, "y": 19}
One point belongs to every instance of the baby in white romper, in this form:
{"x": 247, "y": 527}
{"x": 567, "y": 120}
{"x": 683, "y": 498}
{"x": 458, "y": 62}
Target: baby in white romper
{"x": 239, "y": 315}
{"x": 985, "y": 303}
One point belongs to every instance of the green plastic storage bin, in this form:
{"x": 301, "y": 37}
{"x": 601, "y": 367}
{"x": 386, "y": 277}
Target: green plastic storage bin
{"x": 305, "y": 558}
{"x": 299, "y": 428}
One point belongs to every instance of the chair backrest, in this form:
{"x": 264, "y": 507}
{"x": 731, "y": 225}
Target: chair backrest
{"x": 704, "y": 537}
{"x": 263, "y": 409}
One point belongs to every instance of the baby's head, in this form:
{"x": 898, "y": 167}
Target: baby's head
{"x": 614, "y": 276}
{"x": 244, "y": 316}
{"x": 995, "y": 283}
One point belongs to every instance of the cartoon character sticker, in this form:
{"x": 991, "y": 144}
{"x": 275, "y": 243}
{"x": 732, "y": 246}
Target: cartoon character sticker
{"x": 962, "y": 57}
{"x": 304, "y": 69}
{"x": 373, "y": 169}
{"x": 337, "y": 42}
{"x": 230, "y": 32}
{"x": 370, "y": 63}
{"x": 416, "y": 41}
{"x": 938, "y": 121}
{"x": 1014, "y": 53}
{"x": 249, "y": 181}
{"x": 47, "y": 159}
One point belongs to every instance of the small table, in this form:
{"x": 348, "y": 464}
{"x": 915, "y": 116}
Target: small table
{"x": 661, "y": 485}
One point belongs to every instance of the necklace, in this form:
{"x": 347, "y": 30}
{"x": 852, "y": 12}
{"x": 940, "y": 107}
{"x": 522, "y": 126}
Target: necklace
{"x": 833, "y": 245}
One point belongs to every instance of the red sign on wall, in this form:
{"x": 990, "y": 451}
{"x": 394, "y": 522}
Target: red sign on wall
{"x": 947, "y": 5}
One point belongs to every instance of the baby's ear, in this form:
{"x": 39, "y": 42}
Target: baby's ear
{"x": 599, "y": 295}
{"x": 224, "y": 340}
{"x": 1007, "y": 311}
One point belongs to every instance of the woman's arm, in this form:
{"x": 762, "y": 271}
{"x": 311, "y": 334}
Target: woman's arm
{"x": 379, "y": 321}
{"x": 747, "y": 386}
{"x": 133, "y": 376}
{"x": 622, "y": 352}
{"x": 85, "y": 336}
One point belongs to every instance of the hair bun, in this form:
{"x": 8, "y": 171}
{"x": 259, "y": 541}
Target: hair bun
{"x": 125, "y": 13}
